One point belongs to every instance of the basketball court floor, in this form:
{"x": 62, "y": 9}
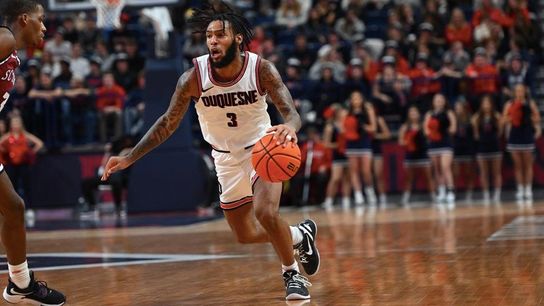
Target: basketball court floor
{"x": 472, "y": 254}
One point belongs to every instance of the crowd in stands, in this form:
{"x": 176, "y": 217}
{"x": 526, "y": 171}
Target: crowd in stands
{"x": 85, "y": 85}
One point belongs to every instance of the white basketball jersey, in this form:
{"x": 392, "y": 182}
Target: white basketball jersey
{"x": 232, "y": 115}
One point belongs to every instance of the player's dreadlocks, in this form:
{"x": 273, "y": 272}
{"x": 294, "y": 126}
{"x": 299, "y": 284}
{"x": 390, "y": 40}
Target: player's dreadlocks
{"x": 240, "y": 25}
{"x": 11, "y": 9}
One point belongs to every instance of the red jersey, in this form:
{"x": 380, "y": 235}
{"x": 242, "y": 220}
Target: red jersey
{"x": 18, "y": 151}
{"x": 7, "y": 76}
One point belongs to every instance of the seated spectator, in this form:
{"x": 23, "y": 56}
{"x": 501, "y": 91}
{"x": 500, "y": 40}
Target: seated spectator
{"x": 57, "y": 46}
{"x": 79, "y": 65}
{"x": 82, "y": 112}
{"x": 458, "y": 57}
{"x": 488, "y": 30}
{"x": 32, "y": 75}
{"x": 350, "y": 27}
{"x": 122, "y": 73}
{"x": 459, "y": 29}
{"x": 328, "y": 56}
{"x": 355, "y": 79}
{"x": 290, "y": 14}
{"x": 94, "y": 79}
{"x": 371, "y": 68}
{"x": 109, "y": 103}
{"x": 90, "y": 36}
{"x": 392, "y": 49}
{"x": 194, "y": 46}
{"x": 303, "y": 52}
{"x": 325, "y": 92}
{"x": 488, "y": 10}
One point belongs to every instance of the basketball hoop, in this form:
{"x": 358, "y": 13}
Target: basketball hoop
{"x": 108, "y": 13}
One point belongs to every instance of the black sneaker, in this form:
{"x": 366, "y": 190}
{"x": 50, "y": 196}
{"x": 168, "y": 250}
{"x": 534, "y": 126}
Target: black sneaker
{"x": 307, "y": 251}
{"x": 37, "y": 293}
{"x": 296, "y": 286}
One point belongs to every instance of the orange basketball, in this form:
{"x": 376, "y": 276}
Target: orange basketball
{"x": 273, "y": 162}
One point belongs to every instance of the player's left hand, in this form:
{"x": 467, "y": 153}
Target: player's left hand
{"x": 284, "y": 134}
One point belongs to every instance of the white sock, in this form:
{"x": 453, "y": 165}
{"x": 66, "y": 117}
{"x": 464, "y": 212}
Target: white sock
{"x": 370, "y": 193}
{"x": 497, "y": 193}
{"x": 20, "y": 275}
{"x": 328, "y": 201}
{"x": 520, "y": 188}
{"x": 441, "y": 191}
{"x": 292, "y": 267}
{"x": 359, "y": 197}
{"x": 346, "y": 201}
{"x": 296, "y": 235}
{"x": 528, "y": 189}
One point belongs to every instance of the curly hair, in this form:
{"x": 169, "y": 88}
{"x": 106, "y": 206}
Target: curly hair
{"x": 11, "y": 9}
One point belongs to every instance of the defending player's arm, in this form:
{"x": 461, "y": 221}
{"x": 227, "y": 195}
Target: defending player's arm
{"x": 163, "y": 127}
{"x": 271, "y": 83}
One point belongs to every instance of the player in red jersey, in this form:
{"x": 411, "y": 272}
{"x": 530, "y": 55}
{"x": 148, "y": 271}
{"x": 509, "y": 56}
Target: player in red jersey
{"x": 22, "y": 26}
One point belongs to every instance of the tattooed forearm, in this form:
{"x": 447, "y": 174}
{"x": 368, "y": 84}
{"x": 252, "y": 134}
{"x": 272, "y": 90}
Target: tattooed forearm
{"x": 271, "y": 82}
{"x": 169, "y": 121}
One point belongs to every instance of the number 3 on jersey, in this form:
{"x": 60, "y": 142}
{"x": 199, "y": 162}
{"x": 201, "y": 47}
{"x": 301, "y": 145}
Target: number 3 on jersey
{"x": 232, "y": 117}
{"x": 6, "y": 97}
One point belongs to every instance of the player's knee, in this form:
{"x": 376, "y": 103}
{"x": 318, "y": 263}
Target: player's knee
{"x": 265, "y": 215}
{"x": 15, "y": 209}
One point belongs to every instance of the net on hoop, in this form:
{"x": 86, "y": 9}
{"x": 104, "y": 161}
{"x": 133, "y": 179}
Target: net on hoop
{"x": 108, "y": 13}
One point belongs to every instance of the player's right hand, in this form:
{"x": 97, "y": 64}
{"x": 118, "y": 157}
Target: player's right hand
{"x": 114, "y": 164}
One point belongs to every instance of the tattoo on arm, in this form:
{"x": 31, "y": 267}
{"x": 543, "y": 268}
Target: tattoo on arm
{"x": 271, "y": 82}
{"x": 169, "y": 121}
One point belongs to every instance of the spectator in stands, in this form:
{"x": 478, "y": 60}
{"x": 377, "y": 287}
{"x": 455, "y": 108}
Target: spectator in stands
{"x": 32, "y": 75}
{"x": 124, "y": 77}
{"x": 329, "y": 57}
{"x": 194, "y": 46}
{"x": 94, "y": 79}
{"x": 303, "y": 52}
{"x": 334, "y": 139}
{"x": 57, "y": 46}
{"x": 18, "y": 99}
{"x": 259, "y": 35}
{"x": 486, "y": 9}
{"x": 515, "y": 73}
{"x": 82, "y": 111}
{"x": 435, "y": 17}
{"x": 407, "y": 19}
{"x": 359, "y": 126}
{"x": 488, "y": 30}
{"x": 355, "y": 79}
{"x": 318, "y": 169}
{"x": 45, "y": 97}
{"x": 136, "y": 62}
{"x": 522, "y": 119}
{"x": 19, "y": 149}
{"x": 458, "y": 56}
{"x": 71, "y": 34}
{"x": 458, "y": 29}
{"x": 65, "y": 75}
{"x": 290, "y": 14}
{"x": 109, "y": 103}
{"x": 133, "y": 113}
{"x": 89, "y": 36}
{"x": 325, "y": 91}
{"x": 440, "y": 124}
{"x": 425, "y": 83}
{"x": 370, "y": 67}
{"x": 390, "y": 92}
{"x": 350, "y": 27}
{"x": 49, "y": 65}
{"x": 412, "y": 138}
{"x": 102, "y": 52}
{"x": 79, "y": 65}
{"x": 464, "y": 148}
{"x": 293, "y": 79}
{"x": 401, "y": 64}
{"x": 483, "y": 78}
{"x": 488, "y": 128}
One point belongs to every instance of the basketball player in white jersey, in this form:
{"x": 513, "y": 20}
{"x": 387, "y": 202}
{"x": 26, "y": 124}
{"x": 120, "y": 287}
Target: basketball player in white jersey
{"x": 230, "y": 88}
{"x": 22, "y": 27}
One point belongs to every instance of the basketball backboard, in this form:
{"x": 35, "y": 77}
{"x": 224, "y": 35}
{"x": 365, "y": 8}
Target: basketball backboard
{"x": 72, "y": 5}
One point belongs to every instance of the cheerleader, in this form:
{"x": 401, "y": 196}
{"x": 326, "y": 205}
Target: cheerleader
{"x": 359, "y": 126}
{"x": 488, "y": 128}
{"x": 464, "y": 148}
{"x": 412, "y": 138}
{"x": 382, "y": 133}
{"x": 523, "y": 125}
{"x": 440, "y": 125}
{"x": 333, "y": 136}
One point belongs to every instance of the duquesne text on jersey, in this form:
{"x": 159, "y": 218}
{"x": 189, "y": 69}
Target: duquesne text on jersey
{"x": 230, "y": 99}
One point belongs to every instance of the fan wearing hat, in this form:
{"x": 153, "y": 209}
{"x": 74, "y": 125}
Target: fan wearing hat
{"x": 516, "y": 72}
{"x": 483, "y": 77}
{"x": 390, "y": 90}
{"x": 391, "y": 49}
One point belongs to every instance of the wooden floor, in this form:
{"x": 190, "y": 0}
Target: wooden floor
{"x": 419, "y": 256}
